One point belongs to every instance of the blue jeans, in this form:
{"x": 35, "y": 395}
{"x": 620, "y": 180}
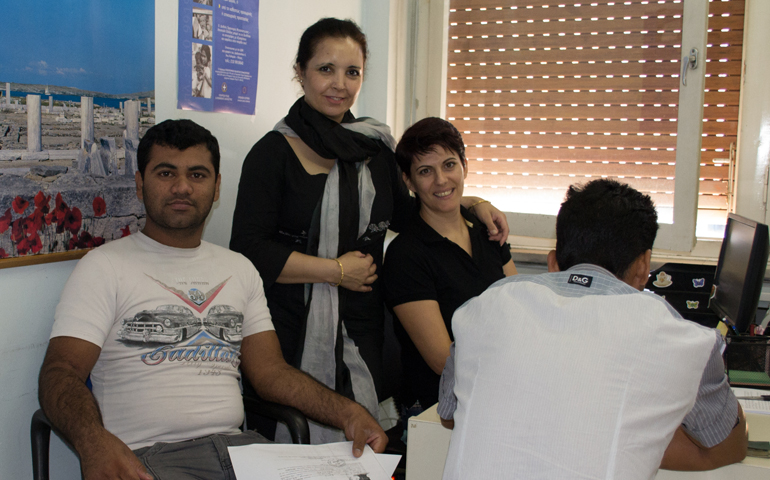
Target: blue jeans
{"x": 204, "y": 458}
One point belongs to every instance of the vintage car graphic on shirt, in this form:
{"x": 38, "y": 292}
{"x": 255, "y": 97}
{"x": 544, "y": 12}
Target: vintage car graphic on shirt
{"x": 164, "y": 324}
{"x": 225, "y": 323}
{"x": 196, "y": 299}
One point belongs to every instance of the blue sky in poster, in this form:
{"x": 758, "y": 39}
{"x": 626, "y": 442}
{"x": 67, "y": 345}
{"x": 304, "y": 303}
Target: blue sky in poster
{"x": 106, "y": 46}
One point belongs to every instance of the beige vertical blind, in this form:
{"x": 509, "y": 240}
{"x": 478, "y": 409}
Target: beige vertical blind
{"x": 549, "y": 93}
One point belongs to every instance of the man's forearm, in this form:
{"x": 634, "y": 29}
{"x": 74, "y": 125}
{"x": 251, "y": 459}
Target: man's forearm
{"x": 290, "y": 386}
{"x": 684, "y": 453}
{"x": 69, "y": 405}
{"x": 274, "y": 380}
{"x": 73, "y": 411}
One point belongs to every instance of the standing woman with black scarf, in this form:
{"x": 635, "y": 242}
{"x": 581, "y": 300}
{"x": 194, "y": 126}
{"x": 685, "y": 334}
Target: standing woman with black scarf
{"x": 316, "y": 197}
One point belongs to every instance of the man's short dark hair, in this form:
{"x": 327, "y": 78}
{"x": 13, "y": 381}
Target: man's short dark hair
{"x": 178, "y": 134}
{"x": 605, "y": 223}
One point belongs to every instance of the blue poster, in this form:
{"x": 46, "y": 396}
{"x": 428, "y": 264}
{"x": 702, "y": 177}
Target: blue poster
{"x": 218, "y": 55}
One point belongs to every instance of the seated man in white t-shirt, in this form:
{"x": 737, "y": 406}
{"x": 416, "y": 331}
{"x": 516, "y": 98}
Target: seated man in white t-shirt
{"x": 162, "y": 321}
{"x": 577, "y": 373}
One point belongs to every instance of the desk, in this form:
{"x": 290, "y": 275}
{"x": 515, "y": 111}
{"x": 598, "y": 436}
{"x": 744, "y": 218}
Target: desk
{"x": 429, "y": 442}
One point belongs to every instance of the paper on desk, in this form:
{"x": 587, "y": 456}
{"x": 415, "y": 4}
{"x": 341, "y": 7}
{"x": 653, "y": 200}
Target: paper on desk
{"x": 388, "y": 461}
{"x": 333, "y": 461}
{"x": 752, "y": 406}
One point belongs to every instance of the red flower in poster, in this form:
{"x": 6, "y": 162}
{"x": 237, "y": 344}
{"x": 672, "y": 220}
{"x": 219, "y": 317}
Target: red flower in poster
{"x": 42, "y": 201}
{"x": 5, "y": 221}
{"x": 35, "y": 221}
{"x": 17, "y": 230}
{"x": 19, "y": 205}
{"x": 23, "y": 246}
{"x": 100, "y": 207}
{"x": 3, "y": 254}
{"x": 72, "y": 220}
{"x": 125, "y": 231}
{"x": 35, "y": 244}
{"x": 85, "y": 240}
{"x": 60, "y": 211}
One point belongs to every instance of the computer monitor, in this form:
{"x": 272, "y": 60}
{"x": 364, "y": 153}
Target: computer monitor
{"x": 740, "y": 272}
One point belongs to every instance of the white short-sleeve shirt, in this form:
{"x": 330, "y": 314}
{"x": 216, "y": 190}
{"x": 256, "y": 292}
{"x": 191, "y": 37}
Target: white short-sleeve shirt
{"x": 169, "y": 322}
{"x": 576, "y": 375}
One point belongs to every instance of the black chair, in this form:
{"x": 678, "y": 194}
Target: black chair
{"x": 295, "y": 420}
{"x": 40, "y": 430}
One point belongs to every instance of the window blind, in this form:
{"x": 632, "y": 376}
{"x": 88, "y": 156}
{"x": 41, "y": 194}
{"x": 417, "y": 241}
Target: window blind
{"x": 548, "y": 93}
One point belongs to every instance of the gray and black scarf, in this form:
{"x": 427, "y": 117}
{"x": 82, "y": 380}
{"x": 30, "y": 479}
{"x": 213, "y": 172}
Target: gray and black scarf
{"x": 340, "y": 218}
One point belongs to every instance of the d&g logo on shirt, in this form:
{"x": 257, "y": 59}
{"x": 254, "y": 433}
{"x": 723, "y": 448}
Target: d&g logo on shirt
{"x": 582, "y": 280}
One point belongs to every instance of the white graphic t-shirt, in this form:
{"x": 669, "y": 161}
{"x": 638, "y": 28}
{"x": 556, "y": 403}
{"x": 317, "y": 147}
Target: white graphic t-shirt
{"x": 169, "y": 322}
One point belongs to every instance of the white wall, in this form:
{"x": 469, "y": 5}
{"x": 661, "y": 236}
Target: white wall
{"x": 30, "y": 294}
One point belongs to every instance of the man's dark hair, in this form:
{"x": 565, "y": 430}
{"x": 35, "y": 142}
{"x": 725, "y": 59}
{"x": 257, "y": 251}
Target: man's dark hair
{"x": 423, "y": 137}
{"x": 605, "y": 223}
{"x": 178, "y": 134}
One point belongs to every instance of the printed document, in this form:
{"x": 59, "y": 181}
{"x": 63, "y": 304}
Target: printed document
{"x": 753, "y": 406}
{"x": 333, "y": 461}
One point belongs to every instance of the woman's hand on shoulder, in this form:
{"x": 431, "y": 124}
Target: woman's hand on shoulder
{"x": 357, "y": 271}
{"x": 495, "y": 220}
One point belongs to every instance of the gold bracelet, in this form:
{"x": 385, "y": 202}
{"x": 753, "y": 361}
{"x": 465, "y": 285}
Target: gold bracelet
{"x": 342, "y": 275}
{"x": 480, "y": 201}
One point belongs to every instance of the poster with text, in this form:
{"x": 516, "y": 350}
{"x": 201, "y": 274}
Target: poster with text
{"x": 218, "y": 55}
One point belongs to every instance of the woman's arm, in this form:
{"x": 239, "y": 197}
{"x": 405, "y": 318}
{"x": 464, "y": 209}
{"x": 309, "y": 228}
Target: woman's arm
{"x": 256, "y": 221}
{"x": 509, "y": 269}
{"x": 261, "y": 191}
{"x": 355, "y": 271}
{"x": 423, "y": 322}
{"x": 495, "y": 220}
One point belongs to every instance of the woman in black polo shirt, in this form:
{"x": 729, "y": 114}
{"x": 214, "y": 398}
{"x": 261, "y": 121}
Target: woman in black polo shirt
{"x": 440, "y": 260}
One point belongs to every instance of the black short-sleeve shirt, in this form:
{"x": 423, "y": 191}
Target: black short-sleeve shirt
{"x": 420, "y": 264}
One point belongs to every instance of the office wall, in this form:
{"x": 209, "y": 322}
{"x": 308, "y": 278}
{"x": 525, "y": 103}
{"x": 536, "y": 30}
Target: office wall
{"x": 27, "y": 302}
{"x": 28, "y": 295}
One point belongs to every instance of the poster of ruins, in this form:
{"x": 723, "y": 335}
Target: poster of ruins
{"x": 77, "y": 89}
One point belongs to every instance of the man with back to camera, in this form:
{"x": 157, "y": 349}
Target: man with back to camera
{"x": 161, "y": 321}
{"x": 576, "y": 373}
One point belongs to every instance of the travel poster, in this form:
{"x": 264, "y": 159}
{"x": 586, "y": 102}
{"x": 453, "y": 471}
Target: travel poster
{"x": 218, "y": 55}
{"x": 77, "y": 92}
